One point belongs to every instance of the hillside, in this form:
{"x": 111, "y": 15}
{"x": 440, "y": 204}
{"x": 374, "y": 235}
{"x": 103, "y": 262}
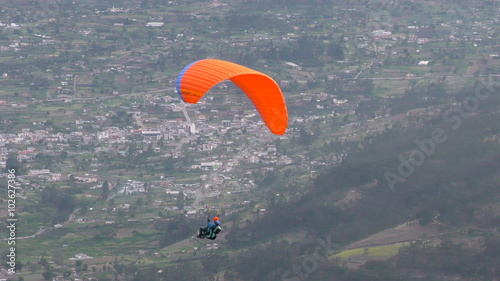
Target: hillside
{"x": 439, "y": 221}
{"x": 450, "y": 197}
{"x": 388, "y": 168}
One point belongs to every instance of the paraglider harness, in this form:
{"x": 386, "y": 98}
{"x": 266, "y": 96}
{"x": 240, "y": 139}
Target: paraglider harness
{"x": 211, "y": 232}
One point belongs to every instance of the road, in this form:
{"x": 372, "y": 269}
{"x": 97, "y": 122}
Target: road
{"x": 112, "y": 96}
{"x": 419, "y": 77}
{"x": 368, "y": 66}
{"x": 43, "y": 230}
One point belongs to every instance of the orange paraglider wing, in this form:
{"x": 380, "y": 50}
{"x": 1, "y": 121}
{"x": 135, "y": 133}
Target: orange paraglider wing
{"x": 200, "y": 76}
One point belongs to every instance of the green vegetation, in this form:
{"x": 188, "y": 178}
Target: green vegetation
{"x": 84, "y": 82}
{"x": 379, "y": 251}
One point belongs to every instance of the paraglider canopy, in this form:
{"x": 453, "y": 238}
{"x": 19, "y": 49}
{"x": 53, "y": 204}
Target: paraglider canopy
{"x": 200, "y": 76}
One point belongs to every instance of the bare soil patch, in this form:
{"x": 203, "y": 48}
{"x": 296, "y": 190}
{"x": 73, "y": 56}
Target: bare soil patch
{"x": 409, "y": 231}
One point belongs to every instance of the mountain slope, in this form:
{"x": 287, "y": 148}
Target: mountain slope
{"x": 444, "y": 171}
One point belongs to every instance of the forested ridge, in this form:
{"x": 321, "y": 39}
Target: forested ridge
{"x": 453, "y": 187}
{"x": 456, "y": 185}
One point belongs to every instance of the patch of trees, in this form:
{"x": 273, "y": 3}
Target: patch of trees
{"x": 265, "y": 263}
{"x": 451, "y": 259}
{"x": 120, "y": 119}
{"x": 58, "y": 203}
{"x": 369, "y": 109}
{"x": 346, "y": 88}
{"x": 13, "y": 164}
{"x": 455, "y": 181}
{"x": 176, "y": 230}
{"x": 241, "y": 22}
{"x": 278, "y": 261}
{"x": 307, "y": 50}
{"x": 419, "y": 97}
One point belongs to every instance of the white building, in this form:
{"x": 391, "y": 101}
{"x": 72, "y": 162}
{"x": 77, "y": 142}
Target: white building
{"x": 293, "y": 65}
{"x": 155, "y": 24}
{"x": 172, "y": 192}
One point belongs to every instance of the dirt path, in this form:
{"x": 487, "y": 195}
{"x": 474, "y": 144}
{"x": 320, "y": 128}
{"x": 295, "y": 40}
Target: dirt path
{"x": 43, "y": 230}
{"x": 406, "y": 232}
